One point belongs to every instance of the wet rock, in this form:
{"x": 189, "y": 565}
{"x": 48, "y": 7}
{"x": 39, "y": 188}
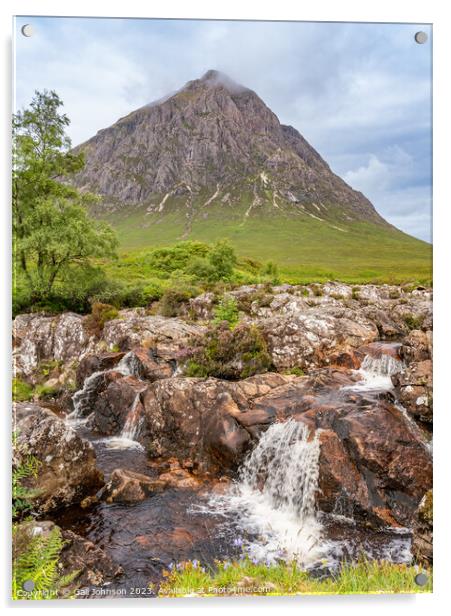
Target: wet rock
{"x": 145, "y": 364}
{"x": 95, "y": 567}
{"x": 178, "y": 477}
{"x": 225, "y": 439}
{"x": 422, "y": 548}
{"x": 394, "y": 462}
{"x": 199, "y": 419}
{"x": 67, "y": 463}
{"x": 84, "y": 400}
{"x": 373, "y": 464}
{"x": 113, "y": 404}
{"x": 96, "y": 363}
{"x": 414, "y": 389}
{"x": 378, "y": 349}
{"x": 126, "y": 486}
{"x": 342, "y": 488}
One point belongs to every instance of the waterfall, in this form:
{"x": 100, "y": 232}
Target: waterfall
{"x": 129, "y": 365}
{"x": 273, "y": 502}
{"x": 376, "y": 372}
{"x": 133, "y": 423}
{"x": 384, "y": 365}
{"x": 284, "y": 466}
{"x": 84, "y": 397}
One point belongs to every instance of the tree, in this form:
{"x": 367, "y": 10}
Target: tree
{"x": 52, "y": 230}
{"x": 223, "y": 259}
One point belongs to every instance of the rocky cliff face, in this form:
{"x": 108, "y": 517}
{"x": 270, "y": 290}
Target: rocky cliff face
{"x": 215, "y": 142}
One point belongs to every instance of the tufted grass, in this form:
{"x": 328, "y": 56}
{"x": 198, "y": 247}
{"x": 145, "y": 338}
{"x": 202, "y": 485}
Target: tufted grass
{"x": 249, "y": 578}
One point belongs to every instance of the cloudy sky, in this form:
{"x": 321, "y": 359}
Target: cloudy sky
{"x": 359, "y": 93}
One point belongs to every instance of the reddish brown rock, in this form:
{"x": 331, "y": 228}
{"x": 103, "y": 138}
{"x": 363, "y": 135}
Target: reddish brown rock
{"x": 342, "y": 489}
{"x": 422, "y": 544}
{"x": 96, "y": 363}
{"x": 95, "y": 567}
{"x": 67, "y": 471}
{"x": 126, "y": 486}
{"x": 112, "y": 406}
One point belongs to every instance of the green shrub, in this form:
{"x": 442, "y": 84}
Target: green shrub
{"x": 223, "y": 259}
{"x": 227, "y": 310}
{"x": 230, "y": 353}
{"x": 21, "y": 390}
{"x": 173, "y": 300}
{"x": 100, "y": 314}
{"x": 271, "y": 270}
{"x": 355, "y": 293}
{"x": 202, "y": 269}
{"x": 317, "y": 290}
{"x": 413, "y": 322}
{"x": 177, "y": 257}
{"x": 296, "y": 371}
{"x": 44, "y": 391}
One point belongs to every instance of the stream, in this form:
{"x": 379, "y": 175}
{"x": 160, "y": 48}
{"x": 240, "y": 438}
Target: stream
{"x": 268, "y": 513}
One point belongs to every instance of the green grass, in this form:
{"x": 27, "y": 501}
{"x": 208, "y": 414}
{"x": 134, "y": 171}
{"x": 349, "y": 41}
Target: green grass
{"x": 21, "y": 391}
{"x": 305, "y": 249}
{"x": 246, "y": 577}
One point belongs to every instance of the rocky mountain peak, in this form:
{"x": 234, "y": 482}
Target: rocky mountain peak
{"x": 216, "y": 141}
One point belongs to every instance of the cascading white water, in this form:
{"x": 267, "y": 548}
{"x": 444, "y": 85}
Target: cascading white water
{"x": 82, "y": 399}
{"x": 133, "y": 422}
{"x": 130, "y": 431}
{"x": 376, "y": 372}
{"x": 129, "y": 365}
{"x": 273, "y": 503}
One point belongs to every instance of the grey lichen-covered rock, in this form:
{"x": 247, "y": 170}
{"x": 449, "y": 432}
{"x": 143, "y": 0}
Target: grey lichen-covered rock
{"x": 414, "y": 389}
{"x": 37, "y": 337}
{"x": 64, "y": 338}
{"x": 67, "y": 470}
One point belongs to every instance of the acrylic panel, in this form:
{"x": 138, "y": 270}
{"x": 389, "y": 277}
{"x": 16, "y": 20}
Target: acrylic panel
{"x": 222, "y": 308}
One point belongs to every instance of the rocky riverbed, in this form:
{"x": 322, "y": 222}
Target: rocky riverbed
{"x": 314, "y": 444}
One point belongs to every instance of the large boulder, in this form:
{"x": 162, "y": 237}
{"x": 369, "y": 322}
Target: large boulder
{"x": 37, "y": 338}
{"x": 200, "y": 419}
{"x": 132, "y": 328}
{"x": 113, "y": 405}
{"x": 417, "y": 346}
{"x": 67, "y": 470}
{"x": 308, "y": 340}
{"x": 373, "y": 463}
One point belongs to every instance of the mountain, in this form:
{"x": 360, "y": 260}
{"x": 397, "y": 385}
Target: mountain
{"x": 212, "y": 160}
